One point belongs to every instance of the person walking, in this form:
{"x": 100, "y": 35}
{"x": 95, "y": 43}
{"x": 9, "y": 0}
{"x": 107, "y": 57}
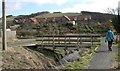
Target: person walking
{"x": 109, "y": 38}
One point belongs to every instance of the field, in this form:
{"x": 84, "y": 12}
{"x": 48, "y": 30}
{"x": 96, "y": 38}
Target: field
{"x": 56, "y": 15}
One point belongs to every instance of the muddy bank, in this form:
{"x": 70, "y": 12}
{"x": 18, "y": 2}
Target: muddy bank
{"x": 24, "y": 58}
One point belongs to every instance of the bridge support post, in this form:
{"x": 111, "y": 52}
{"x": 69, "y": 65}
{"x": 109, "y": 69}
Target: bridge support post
{"x": 91, "y": 40}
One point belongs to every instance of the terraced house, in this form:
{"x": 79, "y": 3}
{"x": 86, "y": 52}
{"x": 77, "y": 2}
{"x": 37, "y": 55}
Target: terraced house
{"x": 63, "y": 19}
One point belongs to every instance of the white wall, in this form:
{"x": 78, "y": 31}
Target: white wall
{"x": 11, "y": 35}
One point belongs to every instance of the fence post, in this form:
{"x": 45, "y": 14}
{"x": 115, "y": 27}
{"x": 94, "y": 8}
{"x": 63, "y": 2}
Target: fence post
{"x": 65, "y": 43}
{"x": 80, "y": 40}
{"x": 53, "y": 43}
{"x": 42, "y": 41}
{"x": 58, "y": 39}
{"x": 69, "y": 40}
{"x": 48, "y": 39}
{"x": 91, "y": 40}
{"x": 77, "y": 41}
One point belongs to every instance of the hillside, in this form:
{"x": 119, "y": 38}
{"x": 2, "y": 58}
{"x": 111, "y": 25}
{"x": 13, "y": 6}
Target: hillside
{"x": 57, "y": 15}
{"x": 8, "y": 20}
{"x": 29, "y": 28}
{"x": 101, "y": 17}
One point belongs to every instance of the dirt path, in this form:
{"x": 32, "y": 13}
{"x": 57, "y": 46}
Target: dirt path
{"x": 103, "y": 59}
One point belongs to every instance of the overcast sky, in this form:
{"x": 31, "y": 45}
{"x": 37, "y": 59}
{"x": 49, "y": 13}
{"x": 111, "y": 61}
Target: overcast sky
{"x": 22, "y": 7}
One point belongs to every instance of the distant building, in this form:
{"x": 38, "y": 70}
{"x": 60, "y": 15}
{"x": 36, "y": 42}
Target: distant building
{"x": 70, "y": 19}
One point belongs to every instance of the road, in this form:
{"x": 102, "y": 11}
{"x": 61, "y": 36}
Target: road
{"x": 103, "y": 59}
{"x": 22, "y": 42}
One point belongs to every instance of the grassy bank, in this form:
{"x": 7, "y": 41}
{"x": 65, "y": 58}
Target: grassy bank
{"x": 118, "y": 56}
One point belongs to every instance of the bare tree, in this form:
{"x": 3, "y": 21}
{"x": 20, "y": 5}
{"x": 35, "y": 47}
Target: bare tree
{"x": 115, "y": 20}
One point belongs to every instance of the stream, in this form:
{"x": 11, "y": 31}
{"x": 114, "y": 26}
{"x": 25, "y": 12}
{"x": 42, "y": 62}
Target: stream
{"x": 70, "y": 57}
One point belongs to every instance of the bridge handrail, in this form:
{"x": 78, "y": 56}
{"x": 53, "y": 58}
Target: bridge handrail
{"x": 82, "y": 35}
{"x": 69, "y": 39}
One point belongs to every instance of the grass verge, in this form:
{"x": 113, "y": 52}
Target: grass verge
{"x": 116, "y": 64}
{"x": 118, "y": 56}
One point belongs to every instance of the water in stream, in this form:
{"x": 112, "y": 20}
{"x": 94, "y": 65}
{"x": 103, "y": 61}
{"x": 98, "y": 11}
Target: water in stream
{"x": 71, "y": 57}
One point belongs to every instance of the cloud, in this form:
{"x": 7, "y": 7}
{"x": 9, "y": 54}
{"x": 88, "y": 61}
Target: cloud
{"x": 58, "y": 2}
{"x": 41, "y": 2}
{"x": 95, "y": 6}
{"x": 119, "y": 4}
{"x": 10, "y": 7}
{"x": 75, "y": 5}
{"x": 14, "y": 5}
{"x": 0, "y": 8}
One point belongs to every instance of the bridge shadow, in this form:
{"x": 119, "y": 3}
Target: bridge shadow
{"x": 54, "y": 54}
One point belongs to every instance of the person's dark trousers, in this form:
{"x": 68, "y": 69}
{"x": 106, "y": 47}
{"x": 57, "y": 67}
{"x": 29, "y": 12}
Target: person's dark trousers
{"x": 110, "y": 45}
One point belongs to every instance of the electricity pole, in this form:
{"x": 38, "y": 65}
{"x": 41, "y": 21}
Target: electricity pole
{"x": 119, "y": 16}
{"x": 118, "y": 10}
{"x": 4, "y": 44}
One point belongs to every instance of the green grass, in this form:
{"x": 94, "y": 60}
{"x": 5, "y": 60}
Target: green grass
{"x": 118, "y": 55}
{"x": 57, "y": 15}
{"x": 118, "y": 45}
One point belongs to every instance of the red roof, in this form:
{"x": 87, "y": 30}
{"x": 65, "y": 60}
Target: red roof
{"x": 40, "y": 19}
{"x": 33, "y": 19}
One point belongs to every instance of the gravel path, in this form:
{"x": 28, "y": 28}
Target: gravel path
{"x": 103, "y": 59}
